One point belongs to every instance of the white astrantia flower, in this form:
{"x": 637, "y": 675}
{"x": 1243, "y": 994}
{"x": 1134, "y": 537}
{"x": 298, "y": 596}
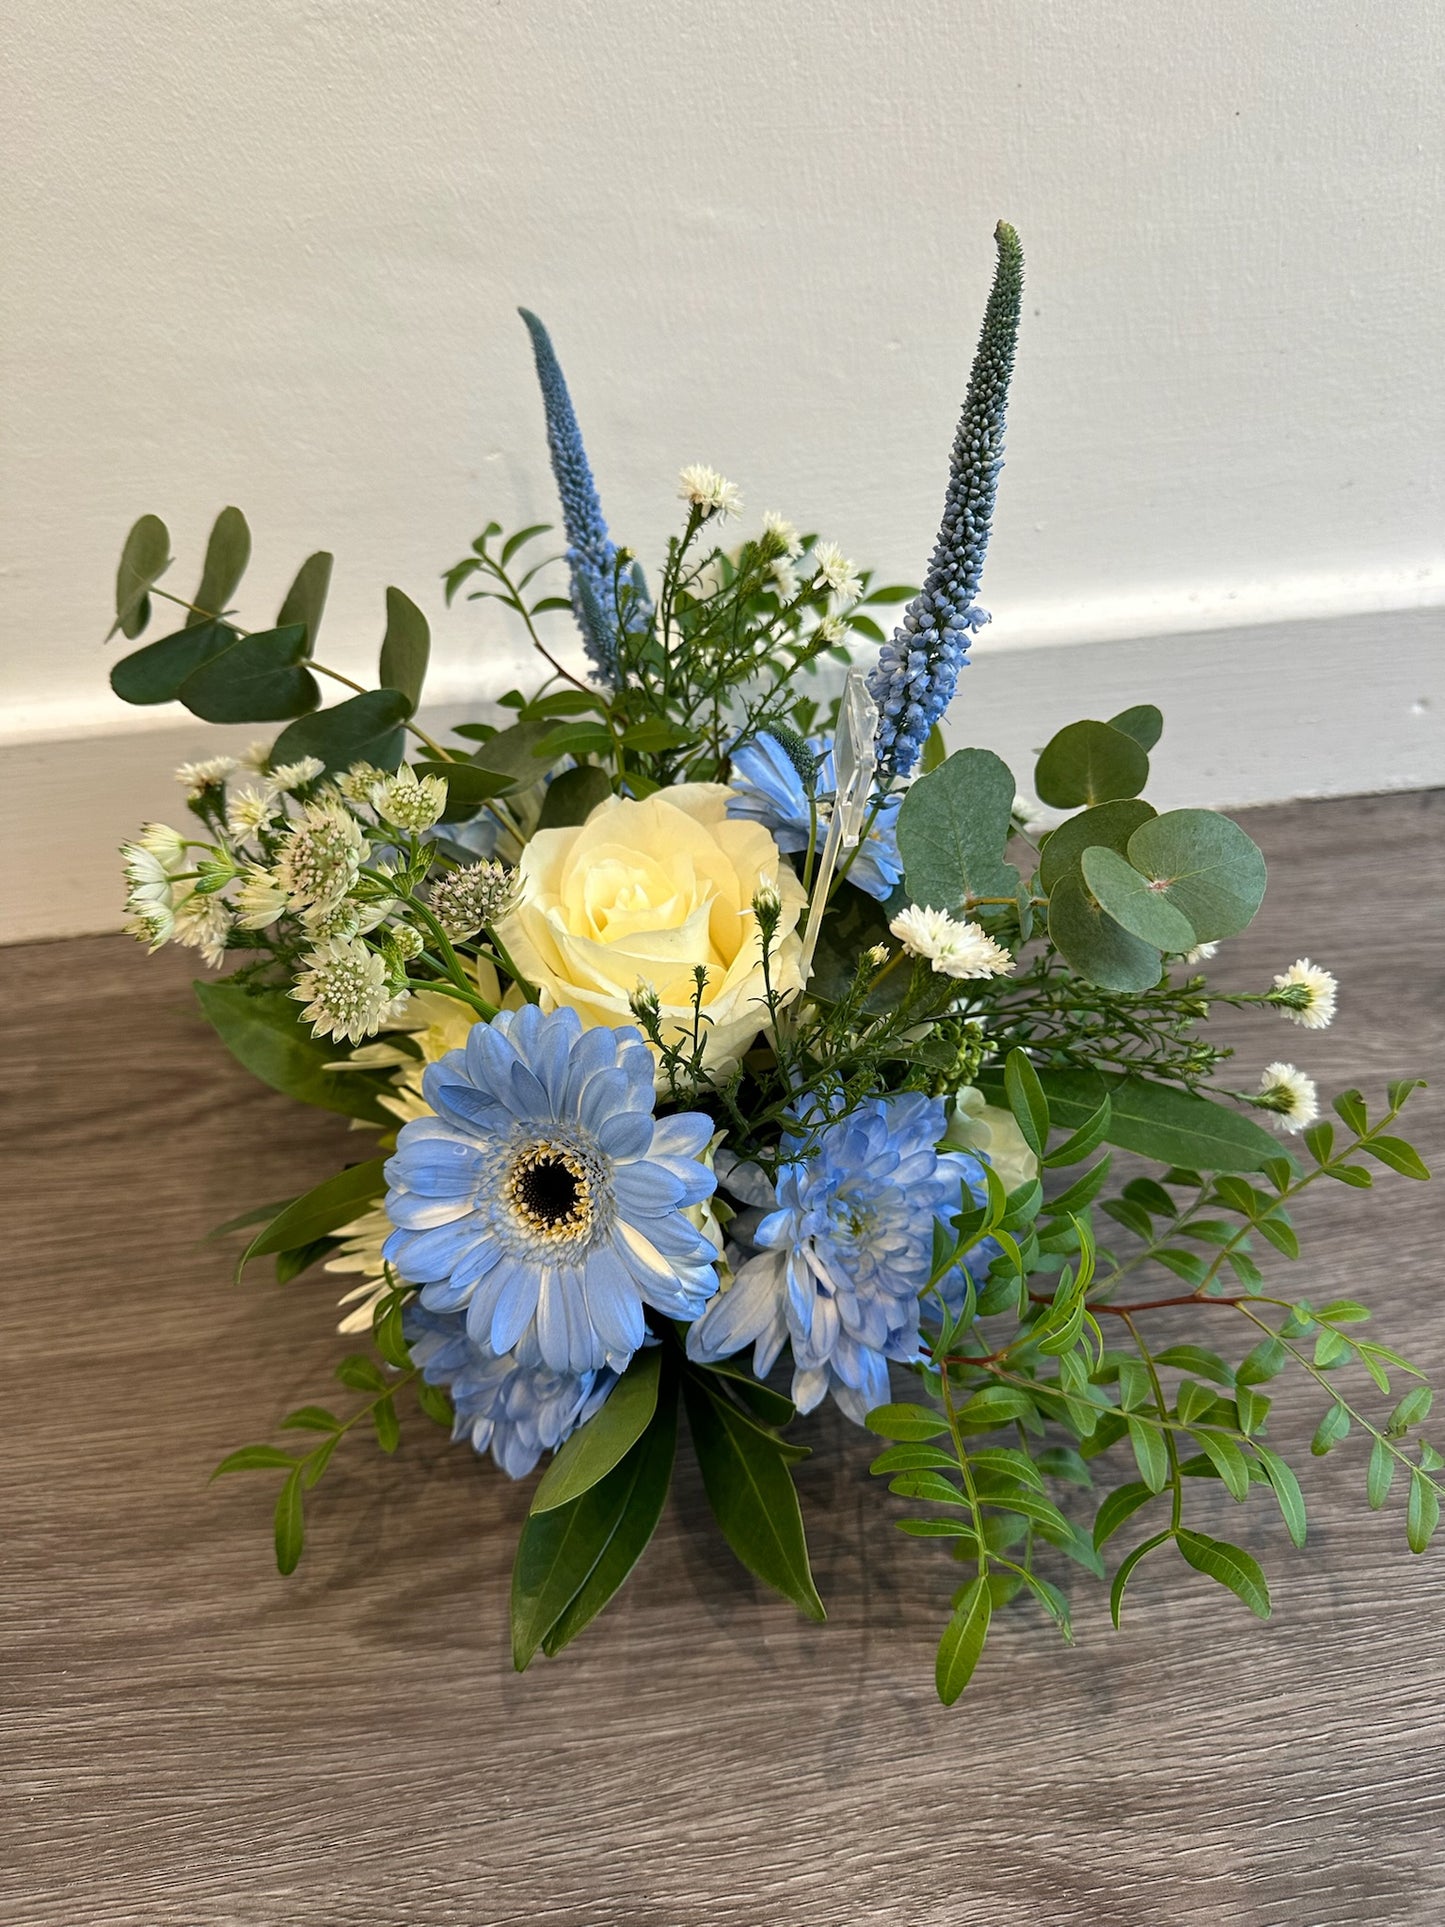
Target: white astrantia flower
{"x": 954, "y": 948}
{"x": 320, "y": 862}
{"x": 408, "y": 801}
{"x": 260, "y": 898}
{"x": 168, "y": 846}
{"x": 1290, "y": 1095}
{"x": 346, "y": 990}
{"x": 295, "y": 776}
{"x": 782, "y": 537}
{"x": 204, "y": 923}
{"x": 357, "y": 783}
{"x": 152, "y": 894}
{"x": 1306, "y": 995}
{"x": 208, "y": 774}
{"x": 251, "y": 810}
{"x": 705, "y": 489}
{"x": 345, "y": 919}
{"x": 837, "y": 571}
{"x": 464, "y": 901}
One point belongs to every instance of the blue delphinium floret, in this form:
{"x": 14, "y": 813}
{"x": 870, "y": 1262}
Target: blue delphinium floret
{"x": 917, "y": 670}
{"x": 545, "y": 1198}
{"x": 841, "y": 1256}
{"x": 768, "y": 788}
{"x": 591, "y": 553}
{"x": 516, "y": 1406}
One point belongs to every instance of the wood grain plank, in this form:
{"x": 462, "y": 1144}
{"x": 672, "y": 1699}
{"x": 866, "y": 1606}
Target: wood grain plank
{"x": 187, "y": 1739}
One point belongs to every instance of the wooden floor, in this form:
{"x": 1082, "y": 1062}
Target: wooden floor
{"x": 187, "y": 1738}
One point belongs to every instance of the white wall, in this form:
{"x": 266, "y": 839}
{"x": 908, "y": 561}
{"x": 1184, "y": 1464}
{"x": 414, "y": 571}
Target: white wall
{"x": 269, "y": 254}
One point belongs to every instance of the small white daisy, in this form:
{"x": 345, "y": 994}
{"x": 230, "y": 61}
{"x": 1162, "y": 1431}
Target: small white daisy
{"x": 783, "y": 539}
{"x": 346, "y": 991}
{"x": 1201, "y": 953}
{"x": 785, "y": 579}
{"x": 837, "y": 571}
{"x": 1290, "y": 1095}
{"x": 295, "y": 776}
{"x": 831, "y": 631}
{"x": 703, "y": 488}
{"x": 209, "y": 774}
{"x": 1307, "y": 995}
{"x": 954, "y": 948}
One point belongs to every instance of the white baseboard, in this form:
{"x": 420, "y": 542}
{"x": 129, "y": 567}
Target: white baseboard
{"x": 1320, "y": 707}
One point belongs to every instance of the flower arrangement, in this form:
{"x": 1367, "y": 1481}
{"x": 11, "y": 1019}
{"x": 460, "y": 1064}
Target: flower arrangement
{"x": 727, "y": 1046}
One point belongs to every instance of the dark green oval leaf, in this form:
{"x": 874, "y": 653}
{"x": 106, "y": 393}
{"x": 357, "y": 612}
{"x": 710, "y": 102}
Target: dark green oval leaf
{"x": 1108, "y": 827}
{"x": 607, "y": 1437}
{"x": 263, "y": 1029}
{"x": 1230, "y": 1565}
{"x": 1097, "y": 948}
{"x": 1090, "y": 763}
{"x": 254, "y": 679}
{"x": 405, "y": 648}
{"x": 306, "y": 598}
{"x": 144, "y": 559}
{"x": 363, "y": 729}
{"x": 227, "y": 553}
{"x": 953, "y": 829}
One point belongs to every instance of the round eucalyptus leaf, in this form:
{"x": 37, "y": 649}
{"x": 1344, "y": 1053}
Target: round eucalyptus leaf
{"x": 1097, "y": 948}
{"x": 1108, "y": 827}
{"x": 1205, "y": 866}
{"x": 364, "y": 729}
{"x": 406, "y": 646}
{"x": 306, "y": 598}
{"x": 156, "y": 672}
{"x": 1143, "y": 722}
{"x": 1089, "y": 763}
{"x": 1136, "y": 903}
{"x": 256, "y": 679}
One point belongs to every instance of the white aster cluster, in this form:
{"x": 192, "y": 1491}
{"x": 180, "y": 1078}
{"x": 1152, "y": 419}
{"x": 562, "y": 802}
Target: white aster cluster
{"x": 1289, "y": 1095}
{"x": 954, "y": 947}
{"x": 1306, "y": 995}
{"x": 703, "y": 488}
{"x": 837, "y": 574}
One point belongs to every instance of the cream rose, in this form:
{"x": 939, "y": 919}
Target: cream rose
{"x": 646, "y": 892}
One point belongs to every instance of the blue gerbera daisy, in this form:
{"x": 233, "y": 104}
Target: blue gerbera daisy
{"x": 516, "y": 1405}
{"x": 545, "y": 1198}
{"x": 842, "y": 1256}
{"x": 768, "y": 789}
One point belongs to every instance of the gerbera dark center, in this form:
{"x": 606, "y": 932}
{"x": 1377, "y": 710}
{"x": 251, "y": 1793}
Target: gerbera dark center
{"x": 550, "y": 1191}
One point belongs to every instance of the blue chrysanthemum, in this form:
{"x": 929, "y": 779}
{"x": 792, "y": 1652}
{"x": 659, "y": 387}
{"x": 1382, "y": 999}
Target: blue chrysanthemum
{"x": 516, "y": 1405}
{"x": 918, "y": 667}
{"x": 842, "y": 1256}
{"x": 545, "y": 1197}
{"x": 767, "y": 788}
{"x": 597, "y": 601}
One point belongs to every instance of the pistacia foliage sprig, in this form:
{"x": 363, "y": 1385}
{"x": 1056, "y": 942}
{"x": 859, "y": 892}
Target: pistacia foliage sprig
{"x": 727, "y": 1045}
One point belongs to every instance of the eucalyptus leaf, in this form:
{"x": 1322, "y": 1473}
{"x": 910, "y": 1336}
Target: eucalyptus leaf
{"x": 405, "y": 648}
{"x": 156, "y": 673}
{"x": 1090, "y": 763}
{"x": 1205, "y": 866}
{"x": 258, "y": 678}
{"x": 953, "y": 829}
{"x": 227, "y": 553}
{"x": 364, "y": 729}
{"x": 306, "y": 598}
{"x": 1107, "y": 827}
{"x": 1143, "y": 722}
{"x": 143, "y": 560}
{"x": 1135, "y": 903}
{"x": 1100, "y": 950}
{"x": 572, "y": 796}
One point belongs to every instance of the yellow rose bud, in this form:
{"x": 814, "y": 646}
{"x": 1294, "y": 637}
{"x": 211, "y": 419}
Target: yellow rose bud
{"x": 652, "y": 891}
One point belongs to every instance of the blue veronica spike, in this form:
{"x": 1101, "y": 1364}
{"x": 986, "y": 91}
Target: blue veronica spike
{"x": 591, "y": 554}
{"x": 917, "y": 670}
